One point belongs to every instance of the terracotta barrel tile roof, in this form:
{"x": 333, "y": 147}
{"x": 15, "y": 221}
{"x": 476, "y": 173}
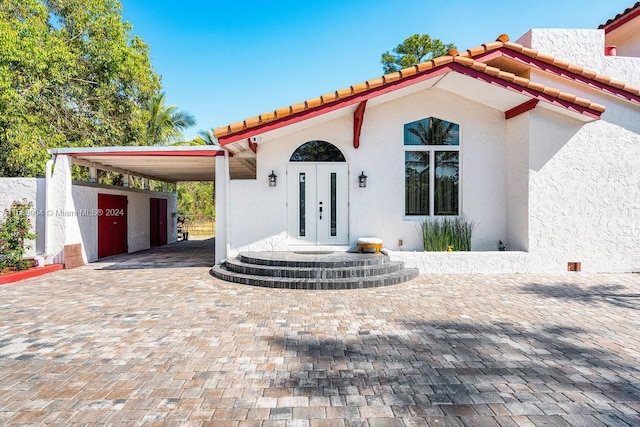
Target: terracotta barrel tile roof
{"x": 628, "y": 11}
{"x": 392, "y": 77}
{"x": 252, "y": 121}
{"x": 549, "y": 59}
{"x": 296, "y": 108}
{"x": 464, "y": 59}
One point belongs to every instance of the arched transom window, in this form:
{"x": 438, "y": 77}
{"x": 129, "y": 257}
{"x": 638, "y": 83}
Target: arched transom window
{"x": 317, "y": 151}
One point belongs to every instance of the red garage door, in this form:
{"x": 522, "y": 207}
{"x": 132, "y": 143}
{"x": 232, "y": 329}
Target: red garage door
{"x": 158, "y": 222}
{"x": 112, "y": 225}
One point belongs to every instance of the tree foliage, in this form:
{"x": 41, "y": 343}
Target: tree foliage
{"x": 196, "y": 199}
{"x": 166, "y": 122}
{"x": 71, "y": 74}
{"x": 414, "y": 50}
{"x": 205, "y": 137}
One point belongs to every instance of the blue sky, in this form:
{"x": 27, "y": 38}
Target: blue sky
{"x": 226, "y": 61}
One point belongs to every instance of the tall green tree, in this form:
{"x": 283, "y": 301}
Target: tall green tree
{"x": 413, "y": 50}
{"x": 71, "y": 74}
{"x": 166, "y": 122}
{"x": 205, "y": 137}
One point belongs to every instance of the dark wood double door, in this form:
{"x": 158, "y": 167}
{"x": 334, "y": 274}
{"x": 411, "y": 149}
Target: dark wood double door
{"x": 158, "y": 222}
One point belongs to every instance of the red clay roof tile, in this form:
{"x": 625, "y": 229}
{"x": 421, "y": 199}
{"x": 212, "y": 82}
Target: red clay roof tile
{"x": 374, "y": 83}
{"x": 406, "y": 72}
{"x": 620, "y": 16}
{"x": 388, "y": 78}
{"x": 314, "y": 102}
{"x": 281, "y": 112}
{"x": 359, "y": 88}
{"x": 424, "y": 66}
{"x": 465, "y": 59}
{"x": 252, "y": 121}
{"x": 296, "y": 108}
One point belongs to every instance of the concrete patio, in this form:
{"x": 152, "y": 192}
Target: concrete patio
{"x": 126, "y": 342}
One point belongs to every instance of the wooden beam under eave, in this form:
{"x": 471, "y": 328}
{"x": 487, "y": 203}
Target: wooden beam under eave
{"x": 358, "y": 118}
{"x": 521, "y": 109}
{"x": 252, "y": 145}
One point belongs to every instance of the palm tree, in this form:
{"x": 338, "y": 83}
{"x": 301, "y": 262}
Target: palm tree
{"x": 437, "y": 132}
{"x": 166, "y": 122}
{"x": 205, "y": 137}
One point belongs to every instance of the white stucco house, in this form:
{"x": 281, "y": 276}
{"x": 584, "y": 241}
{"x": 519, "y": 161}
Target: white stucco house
{"x": 542, "y": 152}
{"x": 537, "y": 141}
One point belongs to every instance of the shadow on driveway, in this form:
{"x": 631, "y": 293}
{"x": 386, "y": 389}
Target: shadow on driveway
{"x": 469, "y": 370}
{"x": 593, "y": 295}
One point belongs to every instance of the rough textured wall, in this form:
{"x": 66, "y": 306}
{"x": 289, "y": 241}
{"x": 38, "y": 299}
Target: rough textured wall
{"x": 580, "y": 47}
{"x": 584, "y": 195}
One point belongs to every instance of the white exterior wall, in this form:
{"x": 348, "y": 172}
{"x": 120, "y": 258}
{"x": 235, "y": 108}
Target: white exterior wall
{"x": 258, "y": 212}
{"x": 33, "y": 190}
{"x": 85, "y": 197}
{"x": 517, "y": 171}
{"x": 584, "y": 194}
{"x": 220, "y": 201}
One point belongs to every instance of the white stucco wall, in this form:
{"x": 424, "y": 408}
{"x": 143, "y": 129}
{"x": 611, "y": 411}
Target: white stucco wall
{"x": 258, "y": 212}
{"x": 85, "y": 199}
{"x": 584, "y": 195}
{"x": 580, "y": 47}
{"x": 517, "y": 176}
{"x": 220, "y": 200}
{"x": 33, "y": 190}
{"x": 464, "y": 262}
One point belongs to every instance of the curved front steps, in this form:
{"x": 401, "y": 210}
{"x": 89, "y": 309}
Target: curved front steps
{"x": 313, "y": 270}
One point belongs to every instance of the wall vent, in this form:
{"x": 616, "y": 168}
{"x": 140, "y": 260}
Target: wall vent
{"x": 574, "y": 266}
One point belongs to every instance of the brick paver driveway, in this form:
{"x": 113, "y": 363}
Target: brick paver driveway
{"x": 132, "y": 343}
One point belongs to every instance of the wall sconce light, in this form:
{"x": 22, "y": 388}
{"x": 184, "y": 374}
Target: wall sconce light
{"x": 273, "y": 179}
{"x": 362, "y": 180}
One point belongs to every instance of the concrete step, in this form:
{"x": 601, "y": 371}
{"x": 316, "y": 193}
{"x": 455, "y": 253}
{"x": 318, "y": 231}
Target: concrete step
{"x": 333, "y": 272}
{"x": 312, "y": 259}
{"x": 404, "y": 275}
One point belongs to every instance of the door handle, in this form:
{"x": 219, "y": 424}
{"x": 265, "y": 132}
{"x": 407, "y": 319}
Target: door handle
{"x": 320, "y": 210}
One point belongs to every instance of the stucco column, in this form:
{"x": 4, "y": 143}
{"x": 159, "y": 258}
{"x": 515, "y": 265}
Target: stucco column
{"x": 221, "y": 209}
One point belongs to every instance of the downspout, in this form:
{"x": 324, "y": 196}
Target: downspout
{"x": 227, "y": 202}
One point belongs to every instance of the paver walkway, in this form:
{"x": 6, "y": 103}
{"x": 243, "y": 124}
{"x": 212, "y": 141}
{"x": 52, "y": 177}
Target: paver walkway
{"x": 123, "y": 343}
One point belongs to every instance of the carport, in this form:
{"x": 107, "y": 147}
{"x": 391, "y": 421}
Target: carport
{"x": 76, "y": 210}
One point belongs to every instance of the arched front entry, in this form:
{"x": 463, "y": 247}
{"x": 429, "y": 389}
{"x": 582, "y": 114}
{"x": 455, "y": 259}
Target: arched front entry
{"x": 318, "y": 195}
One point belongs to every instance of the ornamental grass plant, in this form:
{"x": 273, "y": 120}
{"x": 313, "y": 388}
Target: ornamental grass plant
{"x": 447, "y": 234}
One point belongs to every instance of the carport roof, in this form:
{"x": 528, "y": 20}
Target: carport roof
{"x": 171, "y": 164}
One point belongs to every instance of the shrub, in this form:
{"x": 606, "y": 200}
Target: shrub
{"x": 447, "y": 234}
{"x": 14, "y": 230}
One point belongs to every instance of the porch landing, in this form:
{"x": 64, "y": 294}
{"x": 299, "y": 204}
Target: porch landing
{"x": 313, "y": 270}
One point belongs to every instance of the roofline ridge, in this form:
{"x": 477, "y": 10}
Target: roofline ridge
{"x": 452, "y": 57}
